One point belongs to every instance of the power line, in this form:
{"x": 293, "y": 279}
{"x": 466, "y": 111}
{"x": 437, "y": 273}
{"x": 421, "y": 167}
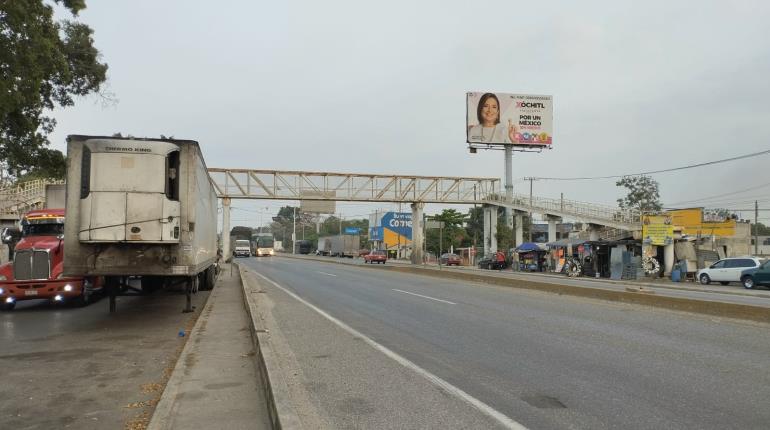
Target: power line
{"x": 651, "y": 172}
{"x": 715, "y": 204}
{"x": 721, "y": 195}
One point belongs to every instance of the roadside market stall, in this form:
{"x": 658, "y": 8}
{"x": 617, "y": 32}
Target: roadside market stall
{"x": 531, "y": 257}
{"x": 563, "y": 251}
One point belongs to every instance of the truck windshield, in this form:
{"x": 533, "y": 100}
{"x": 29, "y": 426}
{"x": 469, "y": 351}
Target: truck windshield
{"x": 244, "y": 243}
{"x": 43, "y": 229}
{"x": 265, "y": 242}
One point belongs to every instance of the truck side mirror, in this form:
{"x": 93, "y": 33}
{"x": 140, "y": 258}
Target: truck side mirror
{"x": 10, "y": 235}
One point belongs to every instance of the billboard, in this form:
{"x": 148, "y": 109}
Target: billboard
{"x": 317, "y": 206}
{"x": 657, "y": 230}
{"x": 696, "y": 222}
{"x": 391, "y": 228}
{"x": 509, "y": 119}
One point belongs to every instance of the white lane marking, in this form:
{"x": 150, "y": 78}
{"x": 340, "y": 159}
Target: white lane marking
{"x": 425, "y": 297}
{"x": 482, "y": 407}
{"x": 327, "y": 274}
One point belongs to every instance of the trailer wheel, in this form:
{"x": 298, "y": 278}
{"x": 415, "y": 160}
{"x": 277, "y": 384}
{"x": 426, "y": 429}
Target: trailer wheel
{"x": 211, "y": 278}
{"x": 208, "y": 278}
{"x": 84, "y": 299}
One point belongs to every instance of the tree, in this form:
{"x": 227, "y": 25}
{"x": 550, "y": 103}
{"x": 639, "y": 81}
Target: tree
{"x": 452, "y": 235}
{"x": 475, "y": 226}
{"x": 504, "y": 236}
{"x": 241, "y": 232}
{"x": 43, "y": 64}
{"x": 642, "y": 194}
{"x": 762, "y": 230}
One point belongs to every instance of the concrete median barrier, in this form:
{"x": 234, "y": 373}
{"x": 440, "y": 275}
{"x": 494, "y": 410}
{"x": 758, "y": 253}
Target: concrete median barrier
{"x": 282, "y": 414}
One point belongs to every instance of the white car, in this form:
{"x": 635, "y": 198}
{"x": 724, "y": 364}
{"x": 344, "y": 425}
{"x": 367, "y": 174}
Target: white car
{"x": 727, "y": 270}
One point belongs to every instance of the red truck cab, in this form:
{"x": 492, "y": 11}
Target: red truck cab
{"x": 36, "y": 269}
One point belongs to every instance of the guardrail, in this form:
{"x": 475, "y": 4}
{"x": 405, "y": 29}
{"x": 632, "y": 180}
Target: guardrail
{"x": 569, "y": 208}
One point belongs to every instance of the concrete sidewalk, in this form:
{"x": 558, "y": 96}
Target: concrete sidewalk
{"x": 216, "y": 383}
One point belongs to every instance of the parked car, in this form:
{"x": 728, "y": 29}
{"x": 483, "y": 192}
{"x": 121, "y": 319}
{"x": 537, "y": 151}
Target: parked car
{"x": 450, "y": 259}
{"x": 727, "y": 270}
{"x": 492, "y": 262}
{"x": 376, "y": 257}
{"x": 486, "y": 262}
{"x": 750, "y": 278}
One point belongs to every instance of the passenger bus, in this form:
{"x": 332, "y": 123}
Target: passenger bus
{"x": 263, "y": 244}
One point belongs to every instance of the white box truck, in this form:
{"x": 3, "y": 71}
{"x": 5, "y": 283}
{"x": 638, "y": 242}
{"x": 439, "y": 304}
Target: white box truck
{"x": 140, "y": 207}
{"x": 342, "y": 245}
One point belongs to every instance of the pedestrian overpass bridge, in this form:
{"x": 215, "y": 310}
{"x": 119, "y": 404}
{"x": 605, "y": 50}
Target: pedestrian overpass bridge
{"x": 361, "y": 187}
{"x": 355, "y": 187}
{"x": 416, "y": 191}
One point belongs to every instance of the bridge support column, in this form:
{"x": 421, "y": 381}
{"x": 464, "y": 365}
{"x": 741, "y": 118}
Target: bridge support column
{"x": 226, "y": 228}
{"x": 668, "y": 259}
{"x": 518, "y": 237}
{"x": 552, "y": 220}
{"x": 417, "y": 232}
{"x": 490, "y": 229}
{"x": 593, "y": 232}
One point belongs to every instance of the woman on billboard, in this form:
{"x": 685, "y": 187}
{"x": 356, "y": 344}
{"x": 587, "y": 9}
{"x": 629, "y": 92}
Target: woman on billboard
{"x": 489, "y": 129}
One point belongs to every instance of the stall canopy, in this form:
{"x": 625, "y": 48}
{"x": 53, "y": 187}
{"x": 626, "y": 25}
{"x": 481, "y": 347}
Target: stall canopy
{"x": 563, "y": 243}
{"x": 528, "y": 247}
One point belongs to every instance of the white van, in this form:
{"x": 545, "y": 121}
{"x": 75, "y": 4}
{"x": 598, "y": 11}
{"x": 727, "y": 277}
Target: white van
{"x": 727, "y": 270}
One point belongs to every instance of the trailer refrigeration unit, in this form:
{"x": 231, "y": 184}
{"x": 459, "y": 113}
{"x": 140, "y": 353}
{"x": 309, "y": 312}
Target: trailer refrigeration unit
{"x": 140, "y": 207}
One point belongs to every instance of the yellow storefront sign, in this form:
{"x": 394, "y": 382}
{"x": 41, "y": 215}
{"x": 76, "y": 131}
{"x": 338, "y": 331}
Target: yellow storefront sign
{"x": 657, "y": 229}
{"x": 690, "y": 222}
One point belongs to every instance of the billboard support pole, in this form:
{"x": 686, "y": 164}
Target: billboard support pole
{"x": 509, "y": 185}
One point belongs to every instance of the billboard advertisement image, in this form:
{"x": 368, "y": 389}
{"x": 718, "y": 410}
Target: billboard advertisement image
{"x": 391, "y": 228}
{"x": 509, "y": 119}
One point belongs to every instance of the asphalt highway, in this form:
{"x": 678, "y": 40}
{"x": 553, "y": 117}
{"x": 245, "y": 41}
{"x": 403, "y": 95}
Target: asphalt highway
{"x": 541, "y": 360}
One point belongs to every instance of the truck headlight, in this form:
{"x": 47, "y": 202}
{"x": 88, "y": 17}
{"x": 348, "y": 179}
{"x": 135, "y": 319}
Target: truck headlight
{"x": 1, "y": 291}
{"x": 68, "y": 288}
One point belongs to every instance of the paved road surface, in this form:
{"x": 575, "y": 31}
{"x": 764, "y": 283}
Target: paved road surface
{"x": 733, "y": 293}
{"x": 84, "y": 368}
{"x": 546, "y": 361}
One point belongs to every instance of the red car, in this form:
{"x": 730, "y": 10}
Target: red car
{"x": 450, "y": 259}
{"x": 376, "y": 257}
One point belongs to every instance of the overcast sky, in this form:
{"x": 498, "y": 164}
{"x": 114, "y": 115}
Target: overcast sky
{"x": 379, "y": 87}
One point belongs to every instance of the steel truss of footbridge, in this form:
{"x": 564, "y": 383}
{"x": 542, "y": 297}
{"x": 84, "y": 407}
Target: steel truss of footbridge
{"x": 350, "y": 187}
{"x": 364, "y": 187}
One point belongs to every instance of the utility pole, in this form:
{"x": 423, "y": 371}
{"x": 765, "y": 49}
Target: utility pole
{"x": 294, "y": 233}
{"x": 530, "y": 179}
{"x": 756, "y": 227}
{"x": 398, "y": 250}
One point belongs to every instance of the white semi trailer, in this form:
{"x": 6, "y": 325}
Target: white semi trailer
{"x": 140, "y": 207}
